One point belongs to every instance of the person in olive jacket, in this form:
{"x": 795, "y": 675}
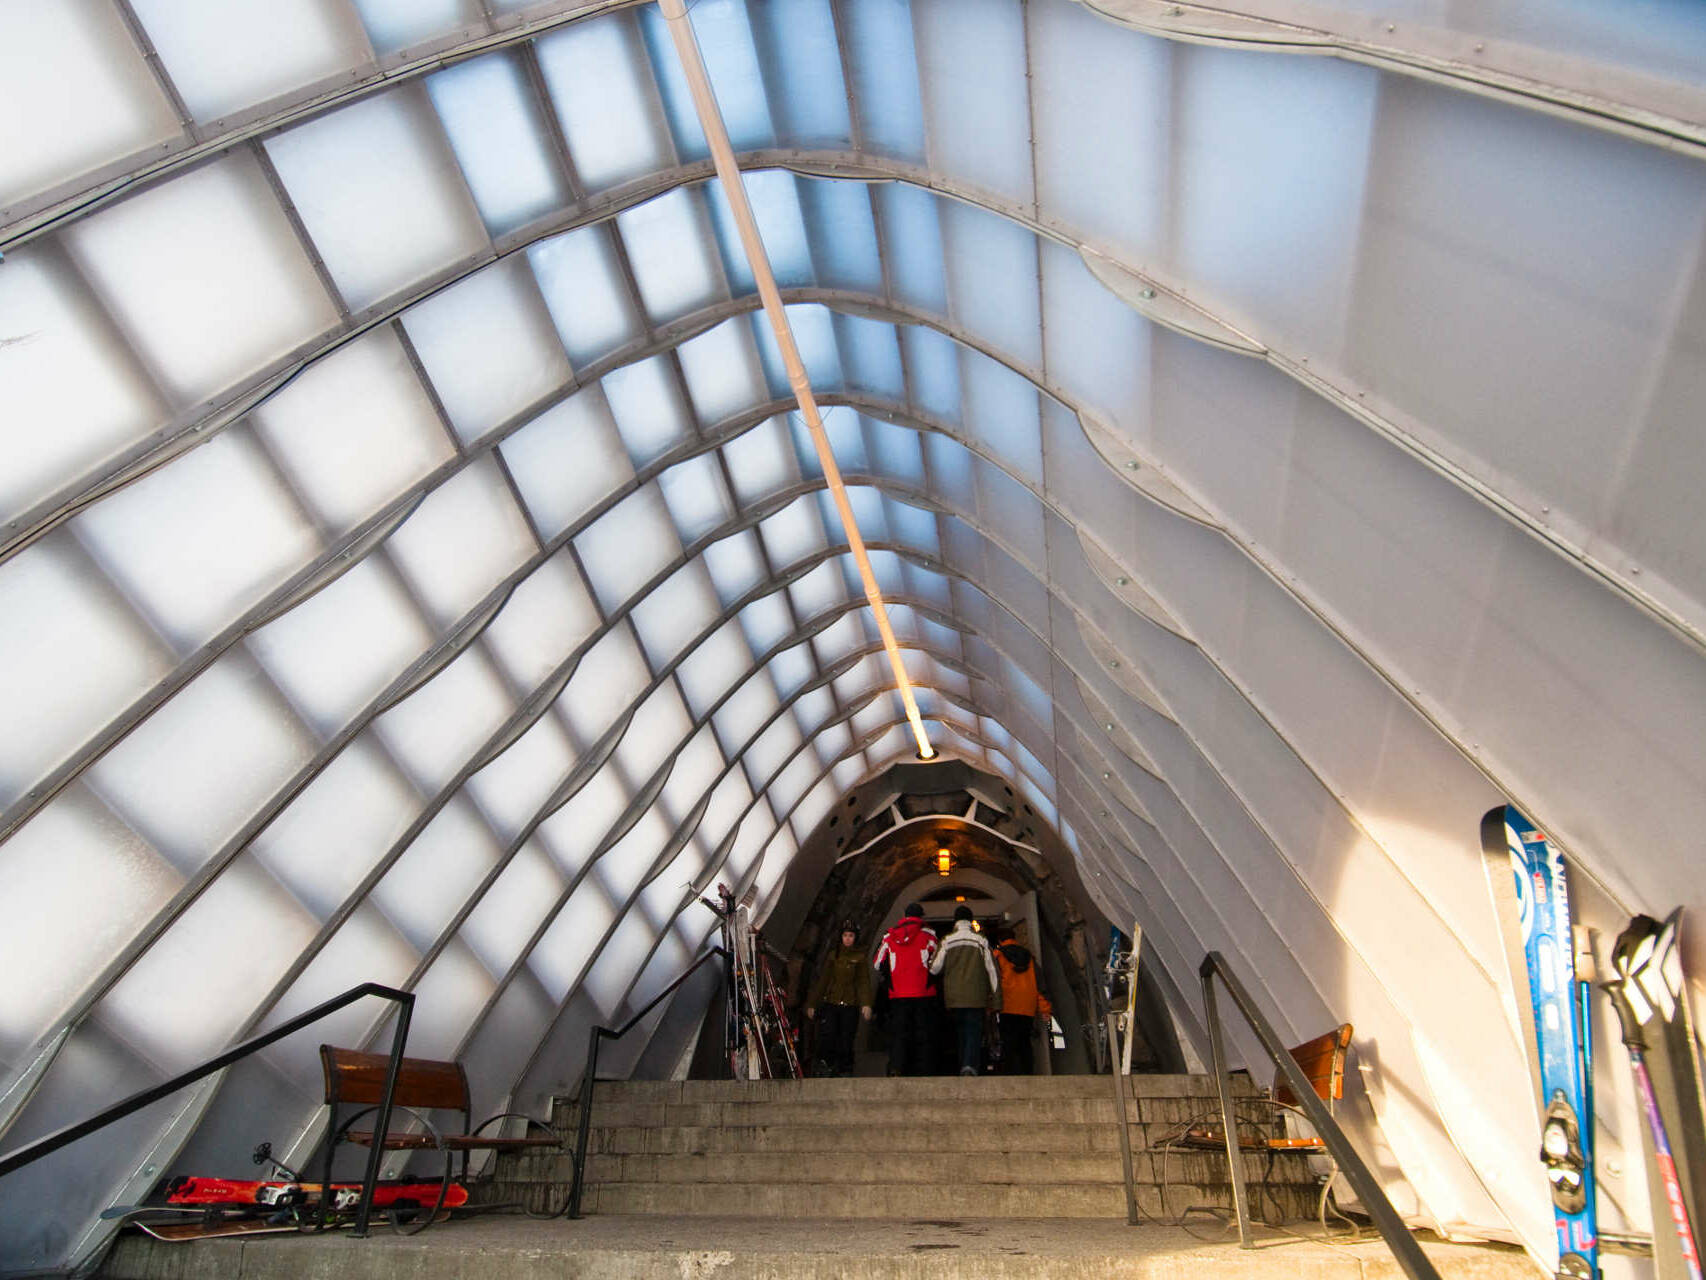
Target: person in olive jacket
{"x": 843, "y": 991}
{"x": 970, "y": 984}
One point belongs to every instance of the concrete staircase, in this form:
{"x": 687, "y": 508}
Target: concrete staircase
{"x": 944, "y": 1147}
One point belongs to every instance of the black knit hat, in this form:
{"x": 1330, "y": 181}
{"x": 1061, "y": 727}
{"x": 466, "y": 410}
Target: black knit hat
{"x": 962, "y": 912}
{"x": 847, "y": 926}
{"x": 915, "y": 908}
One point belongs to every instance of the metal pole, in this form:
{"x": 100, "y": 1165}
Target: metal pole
{"x": 1125, "y": 1128}
{"x": 1228, "y": 1121}
{"x": 585, "y": 1120}
{"x": 393, "y": 1068}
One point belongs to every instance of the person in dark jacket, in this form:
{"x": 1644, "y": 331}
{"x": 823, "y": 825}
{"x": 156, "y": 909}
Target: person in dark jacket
{"x": 841, "y": 996}
{"x": 1019, "y": 1005}
{"x": 970, "y": 985}
{"x": 905, "y": 954}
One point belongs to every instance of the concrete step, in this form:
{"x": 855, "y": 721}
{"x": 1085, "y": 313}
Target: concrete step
{"x": 1020, "y": 1168}
{"x": 911, "y": 1200}
{"x": 933, "y": 1247}
{"x": 641, "y": 1140}
{"x": 938, "y": 1114}
{"x": 911, "y": 1088}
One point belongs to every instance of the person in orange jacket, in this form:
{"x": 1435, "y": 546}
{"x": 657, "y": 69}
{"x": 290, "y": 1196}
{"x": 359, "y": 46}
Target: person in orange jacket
{"x": 1021, "y": 1004}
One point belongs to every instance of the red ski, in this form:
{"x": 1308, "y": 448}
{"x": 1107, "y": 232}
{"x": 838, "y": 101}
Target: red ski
{"x": 345, "y": 1195}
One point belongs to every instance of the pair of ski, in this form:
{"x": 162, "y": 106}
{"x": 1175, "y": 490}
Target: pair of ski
{"x": 199, "y": 1208}
{"x": 1528, "y": 879}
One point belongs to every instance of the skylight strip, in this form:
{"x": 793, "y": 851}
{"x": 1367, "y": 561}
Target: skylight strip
{"x": 728, "y": 173}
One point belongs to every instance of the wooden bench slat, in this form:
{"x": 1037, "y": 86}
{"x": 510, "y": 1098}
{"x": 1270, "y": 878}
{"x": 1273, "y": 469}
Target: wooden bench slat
{"x": 1322, "y": 1061}
{"x": 360, "y": 1078}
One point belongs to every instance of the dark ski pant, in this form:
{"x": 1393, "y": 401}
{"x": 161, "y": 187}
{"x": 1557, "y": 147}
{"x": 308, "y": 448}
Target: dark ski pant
{"x": 1018, "y": 1034}
{"x": 837, "y": 1024}
{"x": 968, "y": 1024}
{"x": 909, "y": 1035}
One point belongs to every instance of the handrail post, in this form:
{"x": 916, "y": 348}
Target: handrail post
{"x": 1228, "y": 1119}
{"x": 587, "y": 1079}
{"x": 370, "y": 1181}
{"x": 1125, "y": 1127}
{"x": 1369, "y": 1191}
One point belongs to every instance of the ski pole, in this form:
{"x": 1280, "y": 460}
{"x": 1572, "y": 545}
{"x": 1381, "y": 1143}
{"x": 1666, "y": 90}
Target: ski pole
{"x": 1665, "y": 1161}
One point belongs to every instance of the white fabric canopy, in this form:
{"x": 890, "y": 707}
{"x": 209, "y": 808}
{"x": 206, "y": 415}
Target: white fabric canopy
{"x": 412, "y": 571}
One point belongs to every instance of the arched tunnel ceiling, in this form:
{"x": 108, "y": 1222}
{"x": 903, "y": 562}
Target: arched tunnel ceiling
{"x": 1273, "y": 461}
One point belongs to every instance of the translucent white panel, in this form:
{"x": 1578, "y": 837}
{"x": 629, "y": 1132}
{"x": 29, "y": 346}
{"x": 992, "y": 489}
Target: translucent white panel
{"x": 659, "y": 726}
{"x": 934, "y": 587}
{"x": 205, "y": 275}
{"x": 681, "y": 608}
{"x": 567, "y": 945}
{"x": 973, "y": 57}
{"x": 697, "y": 497}
{"x": 197, "y": 542}
{"x": 671, "y": 958}
{"x": 606, "y": 683}
{"x": 338, "y": 827}
{"x": 148, "y": 1006}
{"x": 627, "y": 546}
{"x": 798, "y": 47}
{"x": 778, "y": 857}
{"x": 435, "y": 730}
{"x": 76, "y": 65}
{"x": 725, "y": 39}
{"x": 626, "y": 862}
{"x": 722, "y": 372}
{"x": 791, "y": 668}
{"x": 870, "y": 356}
{"x": 547, "y": 615}
{"x": 648, "y": 408}
{"x": 933, "y": 361}
{"x": 781, "y": 225}
{"x": 599, "y": 79}
{"x": 765, "y": 757}
{"x": 488, "y": 347}
{"x": 584, "y": 287}
{"x": 736, "y": 565}
{"x": 512, "y": 787}
{"x": 813, "y": 808}
{"x": 847, "y": 774}
{"x": 365, "y": 944}
{"x": 380, "y": 193}
{"x": 191, "y": 773}
{"x": 762, "y": 460}
{"x": 74, "y": 393}
{"x": 818, "y": 591}
{"x": 831, "y": 744}
{"x": 754, "y": 831}
{"x": 912, "y": 239}
{"x": 842, "y": 234}
{"x": 839, "y": 639}
{"x": 814, "y": 334}
{"x": 868, "y": 673}
{"x": 568, "y": 458}
{"x": 617, "y": 963}
{"x": 436, "y": 874}
{"x": 574, "y": 831}
{"x": 728, "y": 802}
{"x": 492, "y": 118}
{"x": 512, "y": 908}
{"x": 875, "y": 715}
{"x": 397, "y": 24}
{"x": 671, "y": 250}
{"x": 767, "y": 622}
{"x": 992, "y": 280}
{"x": 813, "y": 709}
{"x": 695, "y": 770}
{"x": 915, "y": 526}
{"x": 846, "y": 439}
{"x": 90, "y": 883}
{"x": 220, "y": 62}
{"x": 461, "y": 541}
{"x": 708, "y": 672}
{"x": 337, "y": 649}
{"x": 355, "y": 429}
{"x": 793, "y": 533}
{"x": 885, "y": 76}
{"x": 448, "y": 998}
{"x": 73, "y": 656}
{"x": 895, "y": 453}
{"x": 744, "y": 714}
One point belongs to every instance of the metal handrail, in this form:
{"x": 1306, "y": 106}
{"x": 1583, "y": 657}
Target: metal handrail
{"x": 590, "y": 1077}
{"x": 405, "y": 1001}
{"x": 1397, "y": 1236}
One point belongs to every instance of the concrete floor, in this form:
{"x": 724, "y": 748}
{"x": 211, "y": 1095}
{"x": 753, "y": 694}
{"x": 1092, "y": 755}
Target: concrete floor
{"x": 699, "y": 1248}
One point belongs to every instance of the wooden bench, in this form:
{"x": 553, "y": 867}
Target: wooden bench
{"x": 1322, "y": 1061}
{"x": 423, "y": 1086}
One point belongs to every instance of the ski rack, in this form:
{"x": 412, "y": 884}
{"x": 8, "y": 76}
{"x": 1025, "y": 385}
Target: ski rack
{"x": 405, "y": 1001}
{"x": 1392, "y": 1229}
{"x": 589, "y": 1078}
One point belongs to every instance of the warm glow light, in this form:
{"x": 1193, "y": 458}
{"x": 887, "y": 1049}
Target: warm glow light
{"x": 944, "y": 861}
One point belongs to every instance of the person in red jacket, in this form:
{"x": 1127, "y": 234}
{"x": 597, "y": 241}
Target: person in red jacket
{"x": 906, "y": 952}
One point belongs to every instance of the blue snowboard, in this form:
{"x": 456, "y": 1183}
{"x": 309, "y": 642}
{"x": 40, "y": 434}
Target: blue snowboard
{"x": 1537, "y": 925}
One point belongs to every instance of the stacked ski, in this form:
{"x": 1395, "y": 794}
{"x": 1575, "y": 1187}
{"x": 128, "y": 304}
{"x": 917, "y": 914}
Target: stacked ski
{"x": 1528, "y": 879}
{"x": 1647, "y": 991}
